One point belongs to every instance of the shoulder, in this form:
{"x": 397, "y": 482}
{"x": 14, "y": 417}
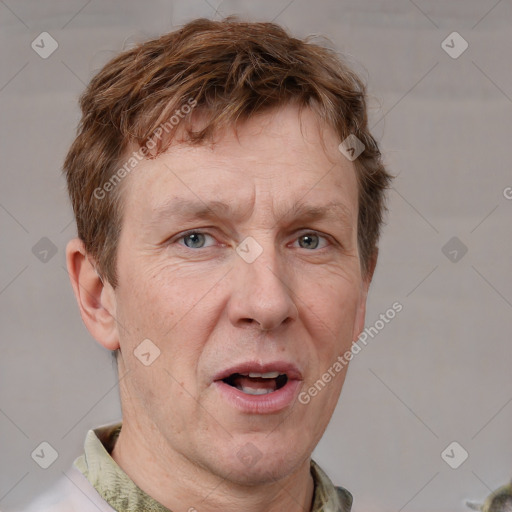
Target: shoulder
{"x": 70, "y": 493}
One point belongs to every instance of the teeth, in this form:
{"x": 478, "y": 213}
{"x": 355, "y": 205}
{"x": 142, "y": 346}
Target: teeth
{"x": 268, "y": 375}
{"x": 254, "y": 391}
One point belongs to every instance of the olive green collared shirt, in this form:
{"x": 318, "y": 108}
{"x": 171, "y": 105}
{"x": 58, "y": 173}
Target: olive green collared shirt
{"x": 121, "y": 493}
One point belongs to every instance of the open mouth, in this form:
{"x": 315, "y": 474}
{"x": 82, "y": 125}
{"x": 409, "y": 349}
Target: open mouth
{"x": 257, "y": 383}
{"x": 253, "y": 387}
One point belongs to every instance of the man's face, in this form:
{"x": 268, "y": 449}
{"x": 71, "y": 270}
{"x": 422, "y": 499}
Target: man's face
{"x": 288, "y": 302}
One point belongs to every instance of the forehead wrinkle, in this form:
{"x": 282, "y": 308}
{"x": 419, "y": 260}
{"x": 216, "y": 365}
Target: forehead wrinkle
{"x": 177, "y": 208}
{"x": 330, "y": 210}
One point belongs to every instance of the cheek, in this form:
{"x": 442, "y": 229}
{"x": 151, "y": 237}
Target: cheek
{"x": 333, "y": 312}
{"x": 337, "y": 309}
{"x": 171, "y": 310}
{"x": 156, "y": 390}
{"x": 150, "y": 298}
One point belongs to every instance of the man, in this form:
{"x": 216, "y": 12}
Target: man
{"x": 228, "y": 198}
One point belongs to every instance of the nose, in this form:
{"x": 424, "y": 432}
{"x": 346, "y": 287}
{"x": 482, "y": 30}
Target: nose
{"x": 261, "y": 292}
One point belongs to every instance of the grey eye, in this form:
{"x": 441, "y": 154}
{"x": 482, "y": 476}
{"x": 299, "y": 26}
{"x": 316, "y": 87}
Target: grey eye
{"x": 196, "y": 240}
{"x": 311, "y": 241}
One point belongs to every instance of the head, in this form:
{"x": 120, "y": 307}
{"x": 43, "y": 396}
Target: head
{"x": 221, "y": 232}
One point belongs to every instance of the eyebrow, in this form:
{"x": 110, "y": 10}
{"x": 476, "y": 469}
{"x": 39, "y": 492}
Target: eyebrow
{"x": 180, "y": 209}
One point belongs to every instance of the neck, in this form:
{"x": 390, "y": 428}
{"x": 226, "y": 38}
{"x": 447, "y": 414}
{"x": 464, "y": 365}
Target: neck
{"x": 180, "y": 484}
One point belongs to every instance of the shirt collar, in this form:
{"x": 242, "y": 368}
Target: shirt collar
{"x": 123, "y": 495}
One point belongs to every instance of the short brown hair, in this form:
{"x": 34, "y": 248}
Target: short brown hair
{"x": 231, "y": 69}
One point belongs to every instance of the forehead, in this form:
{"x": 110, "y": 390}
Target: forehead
{"x": 286, "y": 163}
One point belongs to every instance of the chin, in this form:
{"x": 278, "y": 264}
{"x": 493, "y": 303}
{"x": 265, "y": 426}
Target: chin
{"x": 255, "y": 460}
{"x": 266, "y": 472}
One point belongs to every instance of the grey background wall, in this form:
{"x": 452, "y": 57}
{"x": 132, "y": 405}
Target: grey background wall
{"x": 439, "y": 372}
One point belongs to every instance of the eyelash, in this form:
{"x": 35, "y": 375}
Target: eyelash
{"x": 196, "y": 231}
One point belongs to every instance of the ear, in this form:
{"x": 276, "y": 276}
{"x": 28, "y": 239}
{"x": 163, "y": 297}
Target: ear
{"x": 365, "y": 285}
{"x": 95, "y": 296}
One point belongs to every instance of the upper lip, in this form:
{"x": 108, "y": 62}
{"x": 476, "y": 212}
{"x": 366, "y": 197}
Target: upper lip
{"x": 283, "y": 367}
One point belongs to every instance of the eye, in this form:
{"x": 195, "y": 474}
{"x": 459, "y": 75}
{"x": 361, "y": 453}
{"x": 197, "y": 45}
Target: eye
{"x": 197, "y": 239}
{"x": 310, "y": 241}
{"x": 194, "y": 239}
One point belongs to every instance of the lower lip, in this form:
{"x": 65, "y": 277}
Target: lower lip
{"x": 260, "y": 404}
